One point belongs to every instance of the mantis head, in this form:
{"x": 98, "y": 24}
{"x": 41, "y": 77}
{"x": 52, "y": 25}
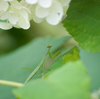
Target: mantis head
{"x": 49, "y": 46}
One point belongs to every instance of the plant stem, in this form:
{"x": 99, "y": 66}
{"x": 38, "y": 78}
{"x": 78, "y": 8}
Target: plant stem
{"x": 10, "y": 83}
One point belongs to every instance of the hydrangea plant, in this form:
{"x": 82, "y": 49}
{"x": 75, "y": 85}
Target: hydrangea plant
{"x": 66, "y": 77}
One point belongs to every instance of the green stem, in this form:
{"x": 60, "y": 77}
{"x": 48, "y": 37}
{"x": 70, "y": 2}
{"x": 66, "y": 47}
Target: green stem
{"x": 10, "y": 83}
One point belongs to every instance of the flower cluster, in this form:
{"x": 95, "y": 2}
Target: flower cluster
{"x": 18, "y": 13}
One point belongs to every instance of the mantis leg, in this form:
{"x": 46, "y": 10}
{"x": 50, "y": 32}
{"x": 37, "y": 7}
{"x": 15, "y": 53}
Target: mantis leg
{"x": 56, "y": 54}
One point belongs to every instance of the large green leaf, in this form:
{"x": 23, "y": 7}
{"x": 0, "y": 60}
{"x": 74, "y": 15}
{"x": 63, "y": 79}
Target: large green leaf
{"x": 83, "y": 23}
{"x": 28, "y": 56}
{"x": 70, "y": 81}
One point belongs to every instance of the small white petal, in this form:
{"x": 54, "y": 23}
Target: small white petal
{"x": 41, "y": 12}
{"x": 31, "y": 1}
{"x": 13, "y": 19}
{"x": 4, "y": 16}
{"x": 5, "y": 26}
{"x": 8, "y": 0}
{"x": 45, "y": 3}
{"x": 53, "y": 19}
{"x": 24, "y": 14}
{"x": 56, "y": 13}
{"x": 23, "y": 23}
{"x": 16, "y": 4}
{"x": 17, "y": 26}
{"x": 3, "y": 6}
{"x": 57, "y": 7}
{"x": 37, "y": 20}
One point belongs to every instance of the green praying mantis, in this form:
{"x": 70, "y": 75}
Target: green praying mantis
{"x": 42, "y": 62}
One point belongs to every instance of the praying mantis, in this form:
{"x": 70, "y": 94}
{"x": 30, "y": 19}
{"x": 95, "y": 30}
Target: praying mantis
{"x": 42, "y": 62}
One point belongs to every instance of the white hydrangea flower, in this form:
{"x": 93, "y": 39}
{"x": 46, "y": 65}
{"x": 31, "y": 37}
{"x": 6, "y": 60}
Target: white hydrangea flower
{"x": 19, "y": 13}
{"x": 52, "y": 14}
{"x": 50, "y": 10}
{"x": 17, "y": 16}
{"x": 23, "y": 21}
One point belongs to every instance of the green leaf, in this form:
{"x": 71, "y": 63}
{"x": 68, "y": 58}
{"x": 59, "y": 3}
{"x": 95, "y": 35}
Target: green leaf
{"x": 72, "y": 55}
{"x": 27, "y": 56}
{"x": 82, "y": 22}
{"x": 92, "y": 63}
{"x": 71, "y": 81}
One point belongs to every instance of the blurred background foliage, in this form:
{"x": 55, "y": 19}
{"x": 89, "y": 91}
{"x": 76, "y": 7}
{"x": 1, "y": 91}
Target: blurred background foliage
{"x": 16, "y": 52}
{"x": 15, "y": 38}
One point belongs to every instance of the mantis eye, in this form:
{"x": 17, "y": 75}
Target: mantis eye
{"x": 49, "y": 46}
